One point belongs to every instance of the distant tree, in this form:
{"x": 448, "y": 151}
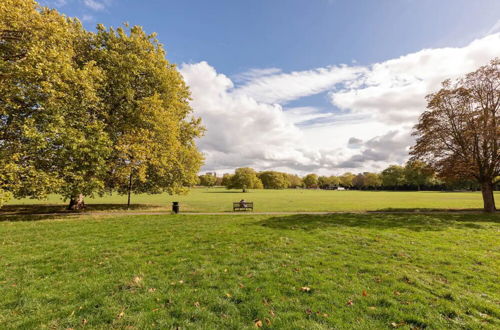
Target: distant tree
{"x": 294, "y": 181}
{"x": 459, "y": 136}
{"x": 372, "y": 180}
{"x": 208, "y": 180}
{"x": 418, "y": 173}
{"x": 226, "y": 180}
{"x": 245, "y": 178}
{"x": 311, "y": 181}
{"x": 359, "y": 181}
{"x": 324, "y": 182}
{"x": 334, "y": 180}
{"x": 346, "y": 179}
{"x": 393, "y": 176}
{"x": 273, "y": 180}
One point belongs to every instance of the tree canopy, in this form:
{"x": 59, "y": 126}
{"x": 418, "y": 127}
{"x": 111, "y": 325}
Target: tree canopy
{"x": 82, "y": 113}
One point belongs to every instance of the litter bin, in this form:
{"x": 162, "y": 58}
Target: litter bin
{"x": 175, "y": 207}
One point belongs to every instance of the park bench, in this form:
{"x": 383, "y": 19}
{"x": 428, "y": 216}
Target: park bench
{"x": 239, "y": 206}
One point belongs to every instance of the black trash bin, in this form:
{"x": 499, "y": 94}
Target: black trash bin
{"x": 175, "y": 207}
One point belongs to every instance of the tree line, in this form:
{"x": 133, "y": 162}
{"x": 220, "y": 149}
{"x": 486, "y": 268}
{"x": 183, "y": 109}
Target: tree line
{"x": 414, "y": 175}
{"x": 85, "y": 113}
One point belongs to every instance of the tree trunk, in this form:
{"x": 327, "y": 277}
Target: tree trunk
{"x": 488, "y": 197}
{"x": 129, "y": 190}
{"x": 76, "y": 203}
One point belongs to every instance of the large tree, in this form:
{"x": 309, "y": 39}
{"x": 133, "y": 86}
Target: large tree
{"x": 50, "y": 132}
{"x": 83, "y": 113}
{"x": 459, "y": 134}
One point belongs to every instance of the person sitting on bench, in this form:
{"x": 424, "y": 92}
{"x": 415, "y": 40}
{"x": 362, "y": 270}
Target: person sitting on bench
{"x": 243, "y": 203}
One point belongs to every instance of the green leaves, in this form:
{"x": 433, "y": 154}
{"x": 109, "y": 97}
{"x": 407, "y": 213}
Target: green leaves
{"x": 82, "y": 111}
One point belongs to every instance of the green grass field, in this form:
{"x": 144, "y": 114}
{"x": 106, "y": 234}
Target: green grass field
{"x": 289, "y": 200}
{"x": 342, "y": 271}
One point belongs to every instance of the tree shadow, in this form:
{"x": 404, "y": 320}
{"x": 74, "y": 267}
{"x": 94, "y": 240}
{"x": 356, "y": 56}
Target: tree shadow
{"x": 227, "y": 192}
{"x": 33, "y": 212}
{"x": 423, "y": 209}
{"x": 415, "y": 222}
{"x": 35, "y": 217}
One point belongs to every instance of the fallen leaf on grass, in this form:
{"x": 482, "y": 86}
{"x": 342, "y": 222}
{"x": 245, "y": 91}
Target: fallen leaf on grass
{"x": 268, "y": 321}
{"x": 272, "y": 313}
{"x": 197, "y": 304}
{"x": 137, "y": 280}
{"x": 122, "y": 314}
{"x": 84, "y": 321}
{"x": 365, "y": 293}
{"x": 258, "y": 323}
{"x": 396, "y": 325}
{"x": 151, "y": 290}
{"x": 308, "y": 311}
{"x": 228, "y": 295}
{"x": 372, "y": 308}
{"x": 241, "y": 286}
{"x": 350, "y": 303}
{"x": 305, "y": 289}
{"x": 397, "y": 293}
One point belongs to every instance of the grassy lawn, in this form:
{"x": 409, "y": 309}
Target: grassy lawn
{"x": 295, "y": 200}
{"x": 369, "y": 271}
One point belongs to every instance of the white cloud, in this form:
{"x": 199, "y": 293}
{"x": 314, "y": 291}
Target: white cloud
{"x": 284, "y": 87}
{"x": 95, "y": 4}
{"x": 394, "y": 91}
{"x": 249, "y": 125}
{"x": 495, "y": 28}
{"x": 88, "y": 18}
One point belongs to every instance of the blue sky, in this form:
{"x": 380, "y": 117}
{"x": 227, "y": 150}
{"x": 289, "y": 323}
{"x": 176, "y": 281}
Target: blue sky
{"x": 236, "y": 35}
{"x": 309, "y": 75}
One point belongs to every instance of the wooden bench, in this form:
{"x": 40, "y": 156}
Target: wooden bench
{"x": 242, "y": 206}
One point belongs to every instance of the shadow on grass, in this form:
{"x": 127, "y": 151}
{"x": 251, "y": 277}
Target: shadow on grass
{"x": 415, "y": 222}
{"x": 227, "y": 192}
{"x": 35, "y": 212}
{"x": 422, "y": 209}
{"x": 34, "y": 217}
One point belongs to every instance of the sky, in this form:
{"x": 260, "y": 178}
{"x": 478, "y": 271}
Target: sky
{"x": 323, "y": 86}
